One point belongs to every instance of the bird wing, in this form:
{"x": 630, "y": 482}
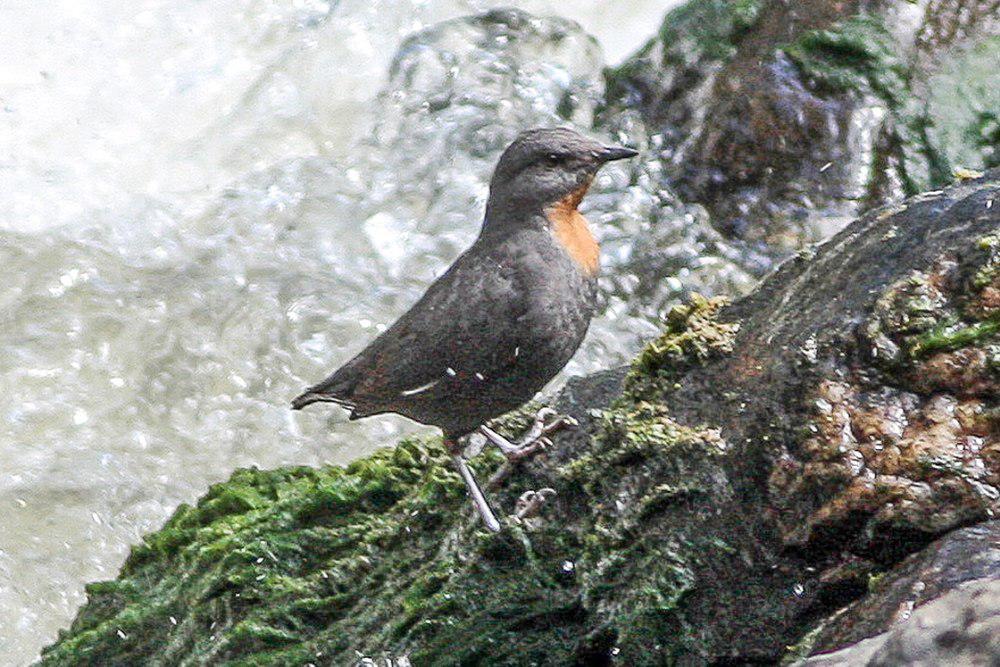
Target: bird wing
{"x": 462, "y": 326}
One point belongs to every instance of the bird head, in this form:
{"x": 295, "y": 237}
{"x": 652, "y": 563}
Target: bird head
{"x": 546, "y": 166}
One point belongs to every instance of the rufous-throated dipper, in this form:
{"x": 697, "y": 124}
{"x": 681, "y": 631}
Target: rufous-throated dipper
{"x": 503, "y": 319}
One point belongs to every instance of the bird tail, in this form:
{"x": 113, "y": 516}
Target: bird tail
{"x": 338, "y": 388}
{"x": 309, "y": 397}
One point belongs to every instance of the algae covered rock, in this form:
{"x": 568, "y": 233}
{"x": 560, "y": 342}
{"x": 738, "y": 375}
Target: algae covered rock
{"x": 788, "y": 119}
{"x": 750, "y": 474}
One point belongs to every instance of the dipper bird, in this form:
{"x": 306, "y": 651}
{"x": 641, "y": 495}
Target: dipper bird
{"x": 503, "y": 319}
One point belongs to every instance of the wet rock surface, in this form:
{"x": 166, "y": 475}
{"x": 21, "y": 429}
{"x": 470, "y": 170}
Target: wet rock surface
{"x": 963, "y": 556}
{"x": 961, "y": 627}
{"x": 740, "y": 483}
{"x": 786, "y": 120}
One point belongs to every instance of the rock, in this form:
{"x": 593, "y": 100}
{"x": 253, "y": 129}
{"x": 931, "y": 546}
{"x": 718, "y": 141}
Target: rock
{"x": 959, "y": 628}
{"x": 786, "y": 120}
{"x": 739, "y": 483}
{"x": 956, "y": 567}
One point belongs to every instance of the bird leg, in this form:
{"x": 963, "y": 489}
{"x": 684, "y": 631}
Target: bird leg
{"x": 530, "y": 502}
{"x": 478, "y": 499}
{"x": 534, "y": 440}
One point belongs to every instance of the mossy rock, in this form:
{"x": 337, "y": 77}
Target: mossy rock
{"x": 708, "y": 510}
{"x": 383, "y": 559}
{"x": 787, "y": 120}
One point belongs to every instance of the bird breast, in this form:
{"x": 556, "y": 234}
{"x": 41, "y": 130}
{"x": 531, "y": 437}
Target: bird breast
{"x": 572, "y": 231}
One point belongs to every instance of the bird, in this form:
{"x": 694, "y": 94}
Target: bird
{"x": 502, "y": 320}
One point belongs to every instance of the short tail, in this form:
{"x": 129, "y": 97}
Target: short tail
{"x": 338, "y": 388}
{"x": 310, "y": 397}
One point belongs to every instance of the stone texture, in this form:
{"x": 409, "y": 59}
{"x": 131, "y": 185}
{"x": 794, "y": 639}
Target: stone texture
{"x": 786, "y": 120}
{"x": 962, "y": 556}
{"x": 960, "y": 628}
{"x": 711, "y": 508}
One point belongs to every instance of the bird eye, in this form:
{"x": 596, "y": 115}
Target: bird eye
{"x": 553, "y": 159}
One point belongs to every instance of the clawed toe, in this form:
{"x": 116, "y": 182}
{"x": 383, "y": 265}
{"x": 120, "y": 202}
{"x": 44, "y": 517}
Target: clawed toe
{"x": 546, "y": 422}
{"x": 531, "y": 502}
{"x": 521, "y": 452}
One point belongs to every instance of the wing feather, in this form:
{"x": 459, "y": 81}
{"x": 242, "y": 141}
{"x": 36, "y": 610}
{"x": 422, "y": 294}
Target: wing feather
{"x": 461, "y": 326}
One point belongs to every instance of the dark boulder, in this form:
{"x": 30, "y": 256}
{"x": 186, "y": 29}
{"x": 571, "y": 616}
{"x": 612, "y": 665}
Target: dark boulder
{"x": 745, "y": 479}
{"x": 939, "y": 606}
{"x": 788, "y": 119}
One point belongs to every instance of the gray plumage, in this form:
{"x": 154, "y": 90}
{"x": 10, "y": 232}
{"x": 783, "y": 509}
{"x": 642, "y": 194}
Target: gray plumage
{"x": 506, "y": 316}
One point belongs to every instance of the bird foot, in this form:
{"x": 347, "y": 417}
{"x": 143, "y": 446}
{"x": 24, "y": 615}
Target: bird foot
{"x": 530, "y": 503}
{"x": 546, "y": 422}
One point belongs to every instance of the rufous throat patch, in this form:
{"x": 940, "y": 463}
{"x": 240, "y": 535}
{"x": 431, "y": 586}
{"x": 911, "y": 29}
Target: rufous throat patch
{"x": 573, "y": 232}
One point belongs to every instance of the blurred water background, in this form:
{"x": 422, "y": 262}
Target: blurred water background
{"x": 205, "y": 205}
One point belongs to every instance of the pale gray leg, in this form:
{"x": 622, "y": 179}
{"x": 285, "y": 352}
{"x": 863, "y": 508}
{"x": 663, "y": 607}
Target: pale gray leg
{"x": 478, "y": 499}
{"x": 534, "y": 440}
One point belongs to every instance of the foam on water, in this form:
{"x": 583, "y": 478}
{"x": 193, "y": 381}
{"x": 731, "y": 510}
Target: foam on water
{"x": 204, "y": 206}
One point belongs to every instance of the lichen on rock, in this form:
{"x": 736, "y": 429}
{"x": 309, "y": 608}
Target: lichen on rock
{"x": 786, "y": 120}
{"x": 940, "y": 330}
{"x": 692, "y": 335}
{"x": 741, "y": 485}
{"x": 857, "y": 53}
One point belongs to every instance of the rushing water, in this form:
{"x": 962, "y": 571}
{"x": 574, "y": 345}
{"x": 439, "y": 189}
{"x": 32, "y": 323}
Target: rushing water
{"x": 205, "y": 206}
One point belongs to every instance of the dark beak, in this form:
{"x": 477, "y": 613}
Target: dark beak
{"x": 610, "y": 153}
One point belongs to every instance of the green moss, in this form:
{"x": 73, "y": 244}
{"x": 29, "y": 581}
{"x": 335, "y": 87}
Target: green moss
{"x": 698, "y": 31}
{"x": 646, "y": 475}
{"x": 974, "y": 324}
{"x": 714, "y": 26}
{"x": 637, "y": 432}
{"x": 989, "y": 273}
{"x": 857, "y": 54}
{"x": 801, "y": 649}
{"x": 928, "y": 314}
{"x": 875, "y": 581}
{"x": 693, "y": 335}
{"x": 860, "y": 56}
{"x": 271, "y": 558}
{"x": 950, "y": 336}
{"x": 384, "y": 559}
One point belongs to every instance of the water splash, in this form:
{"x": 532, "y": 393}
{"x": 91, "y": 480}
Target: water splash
{"x": 152, "y": 340}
